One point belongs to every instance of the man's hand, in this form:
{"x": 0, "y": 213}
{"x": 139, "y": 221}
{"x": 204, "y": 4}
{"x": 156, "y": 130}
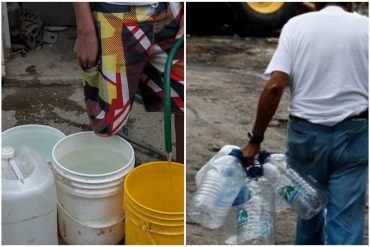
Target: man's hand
{"x": 86, "y": 46}
{"x": 86, "y": 49}
{"x": 250, "y": 150}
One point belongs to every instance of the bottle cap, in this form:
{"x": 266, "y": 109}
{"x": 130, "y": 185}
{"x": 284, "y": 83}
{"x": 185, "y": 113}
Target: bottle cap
{"x": 263, "y": 156}
{"x": 237, "y": 153}
{"x": 7, "y": 152}
{"x": 255, "y": 171}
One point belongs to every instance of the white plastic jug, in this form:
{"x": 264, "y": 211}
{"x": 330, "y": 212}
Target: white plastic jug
{"x": 89, "y": 172}
{"x": 29, "y": 201}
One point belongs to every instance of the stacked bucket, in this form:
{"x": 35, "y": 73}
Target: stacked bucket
{"x": 154, "y": 205}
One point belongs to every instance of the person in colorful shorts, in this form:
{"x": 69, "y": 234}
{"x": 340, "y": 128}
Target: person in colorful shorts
{"x": 122, "y": 48}
{"x": 322, "y": 57}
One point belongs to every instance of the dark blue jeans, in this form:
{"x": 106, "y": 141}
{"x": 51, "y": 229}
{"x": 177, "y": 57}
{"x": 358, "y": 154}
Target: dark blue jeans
{"x": 337, "y": 157}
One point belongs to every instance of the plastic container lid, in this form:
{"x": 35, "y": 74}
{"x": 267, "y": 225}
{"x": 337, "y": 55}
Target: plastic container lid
{"x": 237, "y": 153}
{"x": 18, "y": 165}
{"x": 255, "y": 171}
{"x": 7, "y": 152}
{"x": 263, "y": 156}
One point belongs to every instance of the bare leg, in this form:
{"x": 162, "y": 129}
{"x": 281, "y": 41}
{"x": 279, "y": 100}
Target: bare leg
{"x": 179, "y": 129}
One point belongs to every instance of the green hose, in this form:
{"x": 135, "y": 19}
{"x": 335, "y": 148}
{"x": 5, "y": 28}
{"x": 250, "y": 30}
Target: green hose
{"x": 167, "y": 95}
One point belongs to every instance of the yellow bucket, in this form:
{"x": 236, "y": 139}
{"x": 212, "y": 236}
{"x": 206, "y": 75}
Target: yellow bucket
{"x": 154, "y": 204}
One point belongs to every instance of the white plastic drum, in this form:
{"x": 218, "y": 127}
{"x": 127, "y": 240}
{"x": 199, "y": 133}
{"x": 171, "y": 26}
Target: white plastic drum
{"x": 89, "y": 172}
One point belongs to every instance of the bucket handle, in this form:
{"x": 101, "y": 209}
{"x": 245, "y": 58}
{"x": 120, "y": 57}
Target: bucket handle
{"x": 148, "y": 235}
{"x": 145, "y": 228}
{"x": 82, "y": 224}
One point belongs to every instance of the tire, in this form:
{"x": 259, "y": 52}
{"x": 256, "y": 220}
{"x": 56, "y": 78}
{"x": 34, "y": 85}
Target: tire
{"x": 251, "y": 18}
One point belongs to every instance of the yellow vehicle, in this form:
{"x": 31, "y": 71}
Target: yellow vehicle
{"x": 246, "y": 18}
{"x": 243, "y": 18}
{"x": 266, "y": 16}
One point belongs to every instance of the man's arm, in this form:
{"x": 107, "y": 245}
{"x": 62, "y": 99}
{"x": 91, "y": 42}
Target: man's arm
{"x": 267, "y": 106}
{"x": 86, "y": 46}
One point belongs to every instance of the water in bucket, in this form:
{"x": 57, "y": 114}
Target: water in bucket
{"x": 42, "y": 144}
{"x": 164, "y": 193}
{"x": 40, "y": 137}
{"x": 89, "y": 166}
{"x": 93, "y": 161}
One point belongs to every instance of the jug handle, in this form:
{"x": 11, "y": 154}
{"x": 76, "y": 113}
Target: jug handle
{"x": 17, "y": 171}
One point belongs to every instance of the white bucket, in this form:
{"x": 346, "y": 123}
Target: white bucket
{"x": 90, "y": 205}
{"x": 40, "y": 137}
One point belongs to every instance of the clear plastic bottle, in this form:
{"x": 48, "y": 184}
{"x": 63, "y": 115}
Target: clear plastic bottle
{"x": 306, "y": 197}
{"x": 272, "y": 173}
{"x": 217, "y": 191}
{"x": 256, "y": 217}
{"x": 225, "y": 150}
{"x": 228, "y": 231}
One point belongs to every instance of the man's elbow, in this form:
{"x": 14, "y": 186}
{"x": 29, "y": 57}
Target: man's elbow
{"x": 277, "y": 83}
{"x": 274, "y": 88}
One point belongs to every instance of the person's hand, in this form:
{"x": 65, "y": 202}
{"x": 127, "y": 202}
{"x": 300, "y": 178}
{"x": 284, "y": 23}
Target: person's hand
{"x": 181, "y": 29}
{"x": 250, "y": 150}
{"x": 86, "y": 49}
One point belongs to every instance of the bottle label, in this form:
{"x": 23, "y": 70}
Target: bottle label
{"x": 289, "y": 193}
{"x": 242, "y": 217}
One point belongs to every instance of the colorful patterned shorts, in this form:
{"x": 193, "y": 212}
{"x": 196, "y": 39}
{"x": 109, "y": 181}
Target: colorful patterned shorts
{"x": 133, "y": 45}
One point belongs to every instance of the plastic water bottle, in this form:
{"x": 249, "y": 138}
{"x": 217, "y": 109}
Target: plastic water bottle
{"x": 225, "y": 150}
{"x": 228, "y": 231}
{"x": 256, "y": 216}
{"x": 303, "y": 193}
{"x": 217, "y": 191}
{"x": 272, "y": 166}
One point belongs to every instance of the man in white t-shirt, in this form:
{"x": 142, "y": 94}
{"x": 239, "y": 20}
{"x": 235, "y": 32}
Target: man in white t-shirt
{"x": 323, "y": 59}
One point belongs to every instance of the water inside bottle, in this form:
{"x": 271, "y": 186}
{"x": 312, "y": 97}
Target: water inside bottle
{"x": 93, "y": 161}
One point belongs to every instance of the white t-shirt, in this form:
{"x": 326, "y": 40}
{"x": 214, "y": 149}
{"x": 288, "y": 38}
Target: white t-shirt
{"x": 325, "y": 54}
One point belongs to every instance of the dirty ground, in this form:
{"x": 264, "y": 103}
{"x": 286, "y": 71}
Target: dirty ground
{"x": 45, "y": 87}
{"x": 224, "y": 81}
